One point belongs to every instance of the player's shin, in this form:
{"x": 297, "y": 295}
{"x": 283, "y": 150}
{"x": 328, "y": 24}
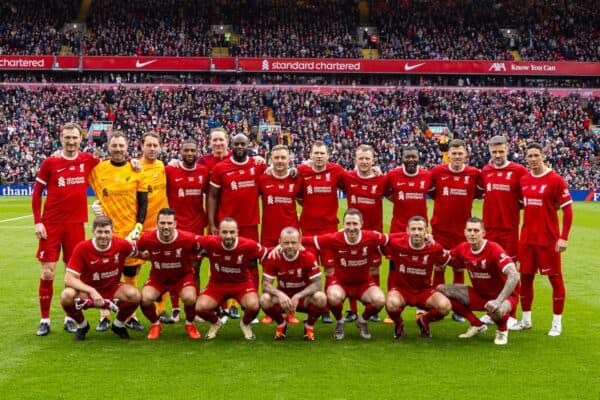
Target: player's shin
{"x": 370, "y": 310}
{"x": 249, "y": 315}
{"x": 527, "y": 291}
{"x": 501, "y": 323}
{"x": 336, "y": 310}
{"x": 433, "y": 315}
{"x": 149, "y": 311}
{"x": 210, "y": 316}
{"x": 276, "y": 313}
{"x": 190, "y": 313}
{"x": 314, "y": 313}
{"x": 464, "y": 311}
{"x": 45, "y": 292}
{"x": 126, "y": 308}
{"x": 74, "y": 313}
{"x": 558, "y": 293}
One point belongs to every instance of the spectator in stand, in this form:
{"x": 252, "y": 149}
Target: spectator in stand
{"x": 387, "y": 120}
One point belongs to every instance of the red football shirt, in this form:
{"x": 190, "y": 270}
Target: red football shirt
{"x": 366, "y": 195}
{"x": 278, "y": 205}
{"x": 66, "y": 182}
{"x": 542, "y": 196}
{"x": 414, "y": 266}
{"x": 501, "y": 204}
{"x": 100, "y": 269}
{"x": 453, "y": 193}
{"x": 486, "y": 267}
{"x": 185, "y": 192}
{"x": 239, "y": 190}
{"x": 320, "y": 198}
{"x": 170, "y": 261}
{"x": 230, "y": 266}
{"x": 409, "y": 196}
{"x": 352, "y": 261}
{"x": 210, "y": 161}
{"x": 292, "y": 275}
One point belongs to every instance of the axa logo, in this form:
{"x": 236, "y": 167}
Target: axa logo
{"x": 498, "y": 67}
{"x": 265, "y": 65}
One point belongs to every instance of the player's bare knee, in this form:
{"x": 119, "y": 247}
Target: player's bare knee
{"x": 319, "y": 299}
{"x": 444, "y": 306}
{"x": 251, "y": 304}
{"x": 266, "y": 301}
{"x": 48, "y": 271}
{"x": 67, "y": 297}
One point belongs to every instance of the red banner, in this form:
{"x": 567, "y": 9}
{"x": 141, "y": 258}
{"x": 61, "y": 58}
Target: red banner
{"x": 301, "y": 65}
{"x": 417, "y": 67}
{"x": 102, "y": 63}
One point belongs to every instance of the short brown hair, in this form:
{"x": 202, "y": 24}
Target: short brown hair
{"x": 73, "y": 125}
{"x": 151, "y": 134}
{"x": 366, "y": 147}
{"x": 101, "y": 221}
{"x": 457, "y": 143}
{"x": 118, "y": 134}
{"x": 498, "y": 139}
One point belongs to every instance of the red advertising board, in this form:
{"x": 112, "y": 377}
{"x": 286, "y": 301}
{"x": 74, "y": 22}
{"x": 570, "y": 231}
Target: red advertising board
{"x": 300, "y": 65}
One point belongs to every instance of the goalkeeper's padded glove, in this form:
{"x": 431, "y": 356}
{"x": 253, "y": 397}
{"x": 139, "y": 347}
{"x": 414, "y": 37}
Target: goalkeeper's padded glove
{"x": 97, "y": 209}
{"x": 135, "y": 233}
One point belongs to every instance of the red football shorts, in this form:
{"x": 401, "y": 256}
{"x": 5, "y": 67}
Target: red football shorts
{"x": 249, "y": 232}
{"x": 477, "y": 302}
{"x": 65, "y": 236}
{"x": 448, "y": 240}
{"x": 508, "y": 240}
{"x": 351, "y": 290}
{"x": 539, "y": 258}
{"x": 414, "y": 297}
{"x": 220, "y": 292}
{"x": 172, "y": 287}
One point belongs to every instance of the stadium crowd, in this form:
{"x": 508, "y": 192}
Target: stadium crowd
{"x": 540, "y": 29}
{"x": 30, "y": 121}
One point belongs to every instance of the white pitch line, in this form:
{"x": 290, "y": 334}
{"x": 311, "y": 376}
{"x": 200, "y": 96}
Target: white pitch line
{"x": 16, "y": 218}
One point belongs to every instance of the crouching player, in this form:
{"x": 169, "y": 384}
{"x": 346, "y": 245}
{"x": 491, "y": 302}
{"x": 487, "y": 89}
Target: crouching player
{"x": 298, "y": 285}
{"x": 94, "y": 272}
{"x": 414, "y": 259}
{"x": 494, "y": 278}
{"x": 171, "y": 253}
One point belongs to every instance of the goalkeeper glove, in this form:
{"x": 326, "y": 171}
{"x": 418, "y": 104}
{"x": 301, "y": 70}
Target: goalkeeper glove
{"x": 135, "y": 233}
{"x": 97, "y": 209}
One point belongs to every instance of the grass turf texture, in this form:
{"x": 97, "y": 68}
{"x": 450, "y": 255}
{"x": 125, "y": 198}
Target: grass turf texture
{"x": 531, "y": 366}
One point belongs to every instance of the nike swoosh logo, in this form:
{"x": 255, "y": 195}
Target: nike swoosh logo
{"x": 144, "y": 64}
{"x": 94, "y": 261}
{"x": 178, "y": 179}
{"x": 155, "y": 252}
{"x": 60, "y": 170}
{"x": 411, "y": 67}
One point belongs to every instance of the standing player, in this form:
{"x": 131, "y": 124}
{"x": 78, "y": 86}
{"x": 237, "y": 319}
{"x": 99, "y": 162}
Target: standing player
{"x": 544, "y": 192}
{"x": 219, "y": 149}
{"x": 364, "y": 191}
{"x": 233, "y": 192}
{"x": 278, "y": 193}
{"x": 454, "y": 187}
{"x": 231, "y": 259}
{"x": 502, "y": 202}
{"x": 410, "y": 284}
{"x": 319, "y": 200}
{"x": 350, "y": 276}
{"x": 94, "y": 272}
{"x": 186, "y": 185}
{"x": 299, "y": 285}
{"x": 123, "y": 196}
{"x": 494, "y": 278}
{"x": 408, "y": 186}
{"x": 171, "y": 252}
{"x": 61, "y": 225}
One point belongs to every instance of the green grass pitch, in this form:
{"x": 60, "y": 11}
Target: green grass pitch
{"x": 531, "y": 366}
